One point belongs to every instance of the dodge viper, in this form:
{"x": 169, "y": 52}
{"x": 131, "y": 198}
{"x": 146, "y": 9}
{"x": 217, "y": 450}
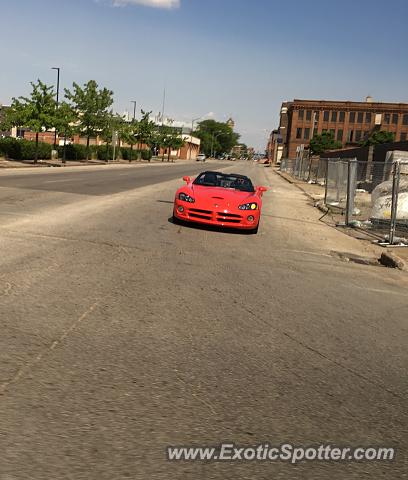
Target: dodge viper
{"x": 221, "y": 199}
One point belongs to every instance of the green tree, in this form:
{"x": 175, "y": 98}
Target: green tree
{"x": 128, "y": 134}
{"x": 380, "y": 136}
{"x": 322, "y": 142}
{"x": 91, "y": 105}
{"x": 171, "y": 139}
{"x": 36, "y": 112}
{"x": 216, "y": 135}
{"x": 64, "y": 123}
{"x": 146, "y": 131}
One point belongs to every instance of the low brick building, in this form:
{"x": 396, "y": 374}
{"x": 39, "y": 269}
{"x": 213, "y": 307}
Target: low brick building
{"x": 350, "y": 122}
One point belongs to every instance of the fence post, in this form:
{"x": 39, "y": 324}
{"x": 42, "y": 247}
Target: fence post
{"x": 394, "y": 205}
{"x": 326, "y": 181}
{"x": 351, "y": 178}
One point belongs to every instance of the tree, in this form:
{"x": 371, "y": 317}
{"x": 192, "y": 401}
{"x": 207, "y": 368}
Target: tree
{"x": 216, "y": 135}
{"x": 322, "y": 142}
{"x": 377, "y": 137}
{"x": 171, "y": 139}
{"x": 92, "y": 108}
{"x": 146, "y": 128}
{"x": 64, "y": 123}
{"x": 112, "y": 130}
{"x": 128, "y": 133}
{"x": 36, "y": 112}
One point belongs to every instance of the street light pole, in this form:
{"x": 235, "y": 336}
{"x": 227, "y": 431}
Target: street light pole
{"x": 134, "y": 117}
{"x": 191, "y": 134}
{"x": 58, "y": 83}
{"x": 214, "y": 137}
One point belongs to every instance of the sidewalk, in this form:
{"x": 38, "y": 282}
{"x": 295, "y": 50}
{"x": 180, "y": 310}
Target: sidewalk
{"x": 396, "y": 257}
{"x": 4, "y": 163}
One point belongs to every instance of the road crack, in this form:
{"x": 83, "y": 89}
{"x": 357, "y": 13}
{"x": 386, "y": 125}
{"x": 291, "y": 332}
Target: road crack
{"x": 31, "y": 364}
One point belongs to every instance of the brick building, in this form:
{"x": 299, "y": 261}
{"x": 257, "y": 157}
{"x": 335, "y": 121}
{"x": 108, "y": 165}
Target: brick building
{"x": 350, "y": 122}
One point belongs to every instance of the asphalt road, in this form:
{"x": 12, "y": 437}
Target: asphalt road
{"x": 122, "y": 333}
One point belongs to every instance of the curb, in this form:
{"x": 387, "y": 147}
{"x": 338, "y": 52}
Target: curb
{"x": 278, "y": 172}
{"x": 391, "y": 260}
{"x": 299, "y": 186}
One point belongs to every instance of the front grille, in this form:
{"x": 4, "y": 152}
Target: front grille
{"x": 219, "y": 217}
{"x": 197, "y": 215}
{"x": 230, "y": 215}
{"x": 198, "y": 210}
{"x": 228, "y": 220}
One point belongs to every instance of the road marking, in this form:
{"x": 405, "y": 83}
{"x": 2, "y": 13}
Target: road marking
{"x": 57, "y": 181}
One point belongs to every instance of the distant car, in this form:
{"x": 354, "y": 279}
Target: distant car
{"x": 222, "y": 199}
{"x": 201, "y": 157}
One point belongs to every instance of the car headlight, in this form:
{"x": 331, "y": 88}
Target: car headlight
{"x": 186, "y": 198}
{"x": 249, "y": 206}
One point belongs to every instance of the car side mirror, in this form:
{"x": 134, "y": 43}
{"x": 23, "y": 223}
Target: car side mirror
{"x": 261, "y": 189}
{"x": 187, "y": 179}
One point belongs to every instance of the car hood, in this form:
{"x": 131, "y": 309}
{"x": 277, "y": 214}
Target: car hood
{"x": 223, "y": 197}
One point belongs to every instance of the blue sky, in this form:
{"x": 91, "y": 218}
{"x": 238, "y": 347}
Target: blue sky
{"x": 238, "y": 58}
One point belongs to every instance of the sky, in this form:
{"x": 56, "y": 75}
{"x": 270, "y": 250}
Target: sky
{"x": 215, "y": 58}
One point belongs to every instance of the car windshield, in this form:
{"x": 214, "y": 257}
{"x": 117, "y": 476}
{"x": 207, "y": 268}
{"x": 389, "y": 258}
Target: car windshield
{"x": 223, "y": 180}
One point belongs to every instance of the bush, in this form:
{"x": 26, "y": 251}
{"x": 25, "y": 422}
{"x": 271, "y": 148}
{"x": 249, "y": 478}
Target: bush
{"x": 18, "y": 149}
{"x": 146, "y": 154}
{"x": 27, "y": 149}
{"x": 105, "y": 153}
{"x": 128, "y": 154}
{"x": 10, "y": 147}
{"x": 73, "y": 152}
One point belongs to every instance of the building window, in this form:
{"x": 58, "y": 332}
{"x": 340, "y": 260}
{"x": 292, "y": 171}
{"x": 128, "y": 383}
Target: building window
{"x": 403, "y": 137}
{"x": 340, "y": 134}
{"x": 405, "y": 119}
{"x": 358, "y": 135}
{"x": 308, "y": 114}
{"x": 360, "y": 116}
{"x": 307, "y": 134}
{"x": 325, "y": 116}
{"x": 387, "y": 118}
{"x": 301, "y": 114}
{"x": 298, "y": 133}
{"x": 350, "y": 136}
{"x": 334, "y": 117}
{"x": 368, "y": 117}
{"x": 341, "y": 116}
{"x": 395, "y": 118}
{"x": 352, "y": 117}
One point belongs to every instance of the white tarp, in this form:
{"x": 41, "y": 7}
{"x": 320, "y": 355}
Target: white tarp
{"x": 382, "y": 200}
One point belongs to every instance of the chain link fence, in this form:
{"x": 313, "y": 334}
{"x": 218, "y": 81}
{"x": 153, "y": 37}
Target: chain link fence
{"x": 368, "y": 195}
{"x": 311, "y": 170}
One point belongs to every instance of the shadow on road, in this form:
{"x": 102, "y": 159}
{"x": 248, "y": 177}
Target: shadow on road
{"x": 210, "y": 228}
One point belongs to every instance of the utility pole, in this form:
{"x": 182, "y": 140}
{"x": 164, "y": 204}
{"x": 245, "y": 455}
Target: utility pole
{"x": 58, "y": 83}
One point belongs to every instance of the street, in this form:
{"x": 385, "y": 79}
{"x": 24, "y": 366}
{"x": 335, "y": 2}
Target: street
{"x": 123, "y": 333}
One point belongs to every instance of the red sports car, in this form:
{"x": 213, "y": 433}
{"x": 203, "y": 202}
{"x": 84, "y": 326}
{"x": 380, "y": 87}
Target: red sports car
{"x": 221, "y": 199}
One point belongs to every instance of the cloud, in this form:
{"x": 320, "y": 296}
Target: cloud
{"x": 167, "y": 4}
